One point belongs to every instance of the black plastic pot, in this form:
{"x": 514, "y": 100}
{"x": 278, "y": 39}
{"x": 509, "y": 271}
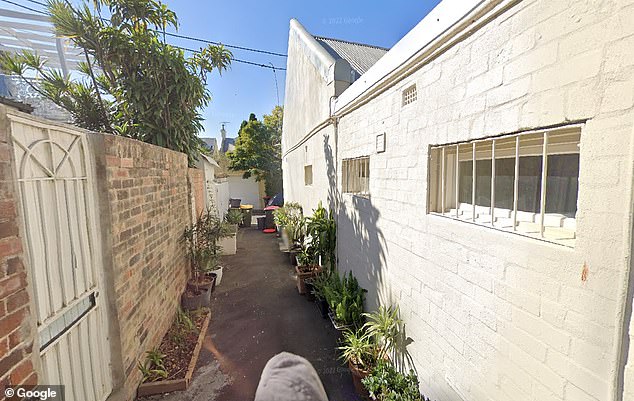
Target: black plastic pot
{"x": 322, "y": 305}
{"x": 193, "y": 302}
{"x": 292, "y": 255}
{"x": 309, "y": 283}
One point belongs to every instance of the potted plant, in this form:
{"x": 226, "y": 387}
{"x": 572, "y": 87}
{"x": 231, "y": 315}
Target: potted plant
{"x": 386, "y": 383}
{"x": 321, "y": 230}
{"x": 358, "y": 352}
{"x": 228, "y": 240}
{"x": 295, "y": 229}
{"x": 320, "y": 281}
{"x": 198, "y": 290}
{"x": 345, "y": 299}
{"x": 234, "y": 217}
{"x": 382, "y": 331}
{"x": 306, "y": 268}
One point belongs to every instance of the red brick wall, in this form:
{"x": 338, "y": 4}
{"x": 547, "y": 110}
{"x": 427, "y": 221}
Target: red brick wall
{"x": 16, "y": 334}
{"x": 149, "y": 207}
{"x": 197, "y": 182}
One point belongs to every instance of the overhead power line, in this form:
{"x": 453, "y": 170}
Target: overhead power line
{"x": 26, "y": 7}
{"x": 172, "y": 34}
{"x": 176, "y": 35}
{"x": 235, "y": 59}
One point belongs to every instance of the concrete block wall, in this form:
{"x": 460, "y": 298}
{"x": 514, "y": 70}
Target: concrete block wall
{"x": 496, "y": 316}
{"x": 145, "y": 202}
{"x": 16, "y": 325}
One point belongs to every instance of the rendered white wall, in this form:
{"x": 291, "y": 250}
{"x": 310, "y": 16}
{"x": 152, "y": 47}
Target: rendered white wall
{"x": 246, "y": 189}
{"x": 306, "y": 106}
{"x": 493, "y": 315}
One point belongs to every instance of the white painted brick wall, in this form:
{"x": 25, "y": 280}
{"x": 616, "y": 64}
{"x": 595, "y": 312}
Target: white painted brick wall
{"x": 496, "y": 316}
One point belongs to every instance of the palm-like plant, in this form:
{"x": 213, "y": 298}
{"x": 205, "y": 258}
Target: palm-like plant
{"x": 358, "y": 349}
{"x": 384, "y": 326}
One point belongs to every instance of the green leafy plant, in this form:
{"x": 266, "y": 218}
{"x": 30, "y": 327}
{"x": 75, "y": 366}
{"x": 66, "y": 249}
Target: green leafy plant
{"x": 385, "y": 383}
{"x": 258, "y": 150}
{"x": 132, "y": 82}
{"x": 345, "y": 298}
{"x": 184, "y": 320}
{"x": 202, "y": 242}
{"x": 321, "y": 229}
{"x": 153, "y": 368}
{"x": 233, "y": 216}
{"x": 306, "y": 258}
{"x": 358, "y": 348}
{"x": 384, "y": 326}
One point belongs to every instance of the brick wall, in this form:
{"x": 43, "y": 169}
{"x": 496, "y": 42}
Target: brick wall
{"x": 16, "y": 333}
{"x": 145, "y": 191}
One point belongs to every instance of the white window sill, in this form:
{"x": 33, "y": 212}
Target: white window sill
{"x": 557, "y": 235}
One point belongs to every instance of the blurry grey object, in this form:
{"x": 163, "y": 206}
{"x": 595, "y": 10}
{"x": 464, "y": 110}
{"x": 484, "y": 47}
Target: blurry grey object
{"x": 289, "y": 377}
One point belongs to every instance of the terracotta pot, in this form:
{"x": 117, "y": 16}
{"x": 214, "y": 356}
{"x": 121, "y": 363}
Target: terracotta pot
{"x": 301, "y": 276}
{"x": 357, "y": 375}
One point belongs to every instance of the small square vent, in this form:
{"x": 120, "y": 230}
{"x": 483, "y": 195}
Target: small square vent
{"x": 409, "y": 95}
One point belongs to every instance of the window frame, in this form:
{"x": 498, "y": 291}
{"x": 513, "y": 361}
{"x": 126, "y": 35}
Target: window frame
{"x": 308, "y": 168}
{"x": 438, "y": 181}
{"x": 356, "y": 166}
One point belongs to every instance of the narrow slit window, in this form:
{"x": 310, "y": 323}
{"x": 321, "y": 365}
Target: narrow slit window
{"x": 526, "y": 183}
{"x": 356, "y": 176}
{"x": 308, "y": 175}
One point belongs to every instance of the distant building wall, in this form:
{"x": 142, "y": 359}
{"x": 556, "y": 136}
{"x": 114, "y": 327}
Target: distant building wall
{"x": 246, "y": 189}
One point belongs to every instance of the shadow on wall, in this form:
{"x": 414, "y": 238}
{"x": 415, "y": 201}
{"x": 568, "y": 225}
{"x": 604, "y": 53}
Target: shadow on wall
{"x": 362, "y": 249}
{"x": 361, "y": 244}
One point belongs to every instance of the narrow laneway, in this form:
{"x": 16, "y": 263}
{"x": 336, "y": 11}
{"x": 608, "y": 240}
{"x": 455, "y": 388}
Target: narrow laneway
{"x": 257, "y": 313}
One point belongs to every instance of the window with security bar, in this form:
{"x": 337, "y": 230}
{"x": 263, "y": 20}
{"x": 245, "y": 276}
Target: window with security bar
{"x": 356, "y": 176}
{"x": 526, "y": 183}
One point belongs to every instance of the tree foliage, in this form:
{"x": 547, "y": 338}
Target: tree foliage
{"x": 258, "y": 150}
{"x": 132, "y": 83}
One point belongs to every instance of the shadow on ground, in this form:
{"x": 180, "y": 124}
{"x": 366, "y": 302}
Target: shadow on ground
{"x": 257, "y": 313}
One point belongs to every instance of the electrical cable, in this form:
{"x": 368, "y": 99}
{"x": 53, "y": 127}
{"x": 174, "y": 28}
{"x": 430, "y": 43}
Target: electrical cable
{"x": 172, "y": 34}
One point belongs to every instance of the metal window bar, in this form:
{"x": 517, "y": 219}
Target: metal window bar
{"x": 516, "y": 181}
{"x": 542, "y": 206}
{"x": 442, "y": 182}
{"x": 457, "y": 180}
{"x": 473, "y": 181}
{"x": 492, "y": 212}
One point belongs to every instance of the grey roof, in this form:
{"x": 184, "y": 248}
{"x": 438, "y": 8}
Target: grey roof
{"x": 226, "y": 143}
{"x": 361, "y": 57}
{"x": 211, "y": 143}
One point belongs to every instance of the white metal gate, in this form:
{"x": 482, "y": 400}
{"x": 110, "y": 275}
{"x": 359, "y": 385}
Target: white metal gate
{"x": 53, "y": 168}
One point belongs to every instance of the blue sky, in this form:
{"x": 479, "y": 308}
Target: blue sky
{"x": 246, "y": 89}
{"x": 264, "y": 25}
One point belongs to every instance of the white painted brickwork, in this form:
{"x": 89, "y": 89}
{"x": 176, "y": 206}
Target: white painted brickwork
{"x": 493, "y": 315}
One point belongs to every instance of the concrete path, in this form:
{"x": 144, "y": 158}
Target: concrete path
{"x": 257, "y": 313}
